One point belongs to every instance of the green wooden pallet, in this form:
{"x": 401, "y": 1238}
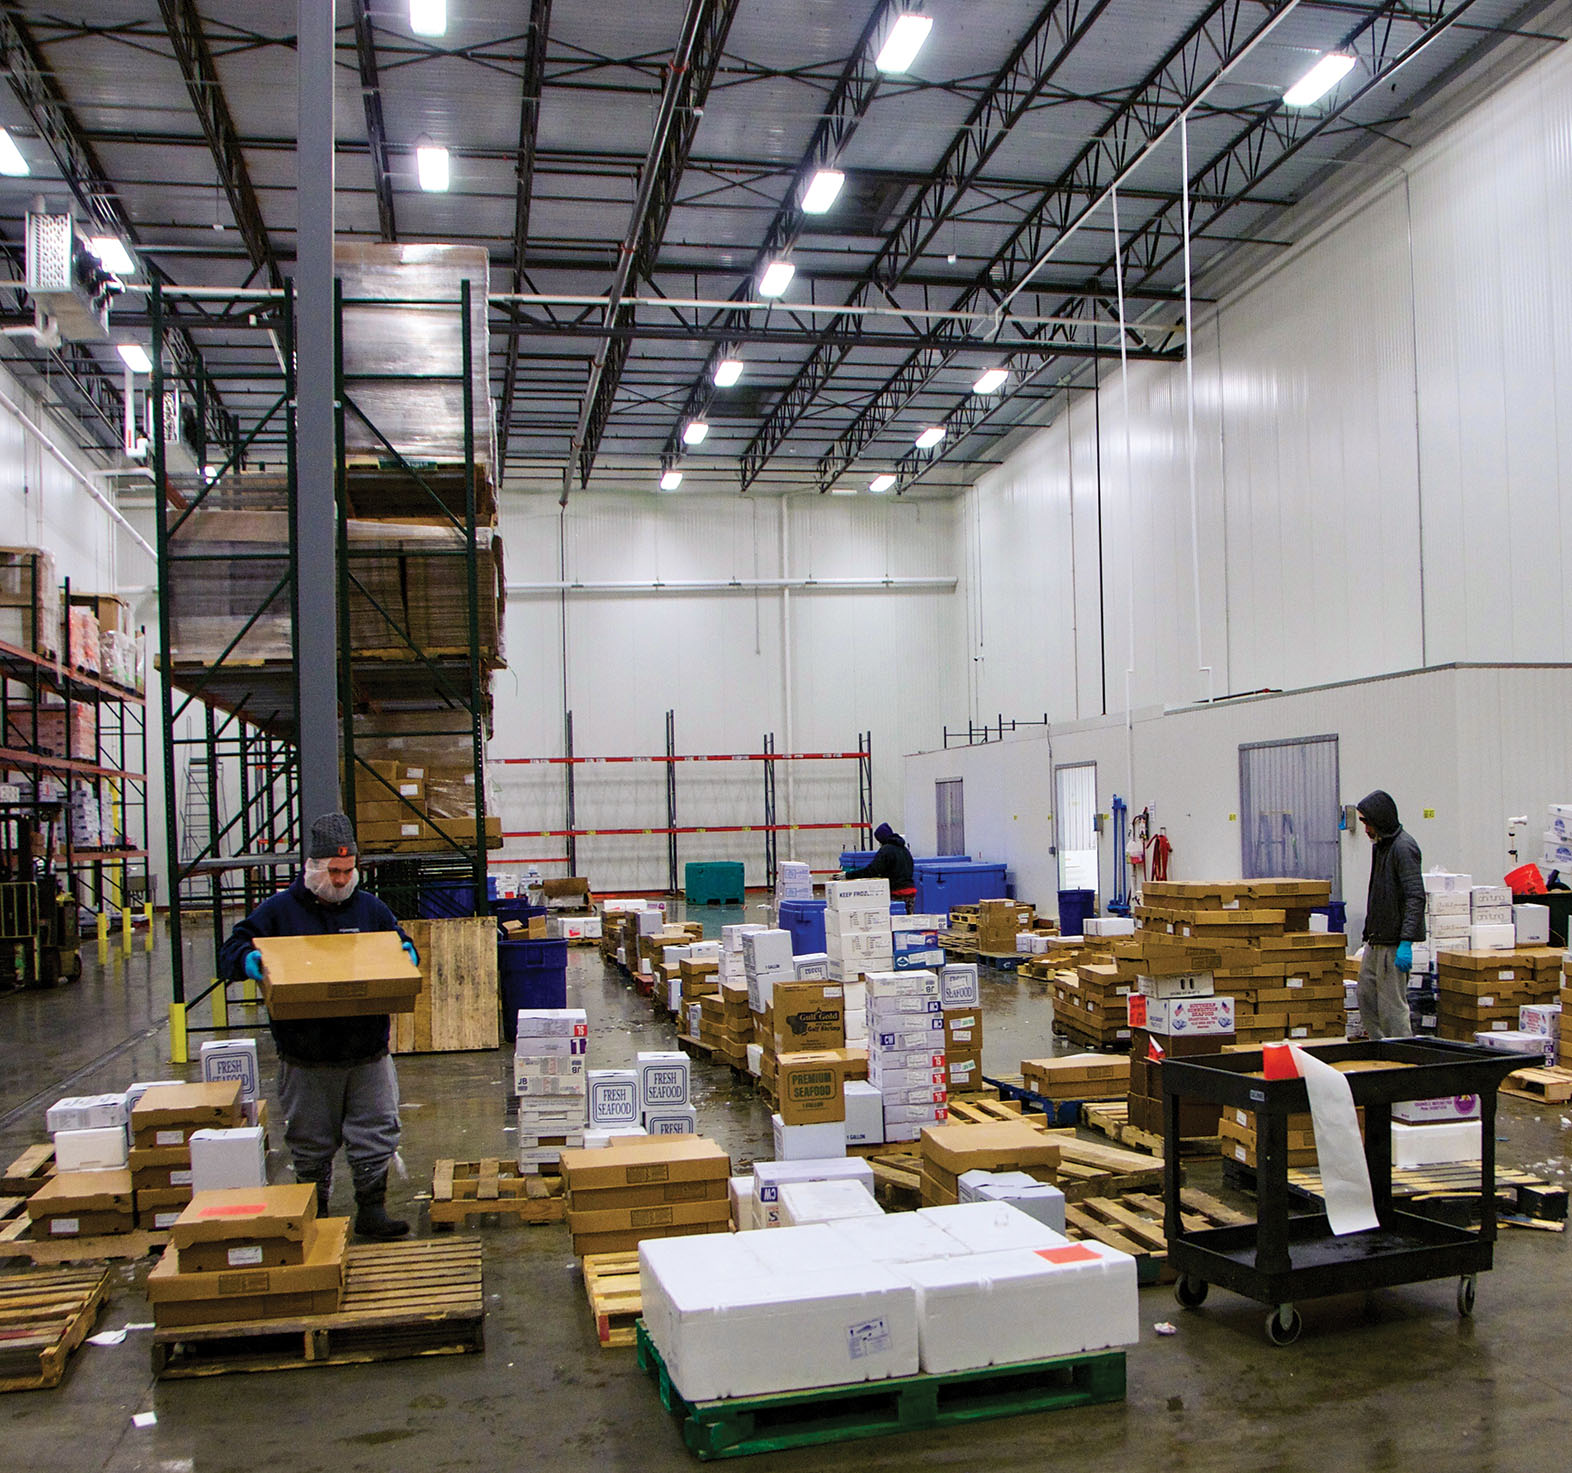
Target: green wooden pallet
{"x": 737, "y": 1427}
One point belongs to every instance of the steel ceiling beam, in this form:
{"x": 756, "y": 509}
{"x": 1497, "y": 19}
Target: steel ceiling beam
{"x": 376, "y": 130}
{"x": 855, "y": 90}
{"x": 1249, "y": 158}
{"x": 1213, "y": 43}
{"x": 529, "y": 124}
{"x": 1061, "y": 25}
{"x": 37, "y": 89}
{"x": 688, "y": 77}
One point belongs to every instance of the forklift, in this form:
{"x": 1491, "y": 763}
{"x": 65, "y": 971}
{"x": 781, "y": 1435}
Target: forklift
{"x": 40, "y": 930}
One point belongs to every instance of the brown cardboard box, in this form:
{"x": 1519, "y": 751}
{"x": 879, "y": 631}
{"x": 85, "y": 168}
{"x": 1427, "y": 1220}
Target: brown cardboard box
{"x": 658, "y": 1160}
{"x": 656, "y": 1194}
{"x": 160, "y": 1168}
{"x": 170, "y": 1110}
{"x": 262, "y": 1212}
{"x": 808, "y": 1087}
{"x": 963, "y": 1030}
{"x": 1078, "y": 1076}
{"x": 352, "y": 974}
{"x": 1004, "y": 1146}
{"x": 628, "y": 1239}
{"x": 158, "y": 1208}
{"x": 809, "y": 1016}
{"x": 714, "y": 1212}
{"x": 998, "y": 924}
{"x": 234, "y": 1295}
{"x": 69, "y": 1192}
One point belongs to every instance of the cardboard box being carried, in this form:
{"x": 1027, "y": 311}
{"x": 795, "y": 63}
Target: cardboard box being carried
{"x": 350, "y": 974}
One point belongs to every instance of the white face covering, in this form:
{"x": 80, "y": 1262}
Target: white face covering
{"x": 320, "y": 883}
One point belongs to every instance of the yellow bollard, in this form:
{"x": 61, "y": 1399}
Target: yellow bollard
{"x": 178, "y": 1051}
{"x": 220, "y": 1004}
{"x": 103, "y": 927}
{"x": 125, "y": 926}
{"x": 147, "y": 916}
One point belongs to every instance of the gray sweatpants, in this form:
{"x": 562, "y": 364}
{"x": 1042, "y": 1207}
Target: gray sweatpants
{"x": 1383, "y": 994}
{"x": 328, "y": 1105}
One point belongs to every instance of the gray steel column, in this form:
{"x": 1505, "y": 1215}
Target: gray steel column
{"x": 316, "y": 589}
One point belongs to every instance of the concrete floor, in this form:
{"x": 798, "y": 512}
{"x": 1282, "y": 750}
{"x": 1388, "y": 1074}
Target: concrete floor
{"x": 1395, "y": 1381}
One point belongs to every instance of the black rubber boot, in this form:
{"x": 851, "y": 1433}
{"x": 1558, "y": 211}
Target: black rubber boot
{"x": 371, "y": 1213}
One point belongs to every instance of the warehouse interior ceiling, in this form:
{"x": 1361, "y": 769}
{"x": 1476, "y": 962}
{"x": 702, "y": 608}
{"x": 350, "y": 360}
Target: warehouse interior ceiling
{"x": 633, "y": 169}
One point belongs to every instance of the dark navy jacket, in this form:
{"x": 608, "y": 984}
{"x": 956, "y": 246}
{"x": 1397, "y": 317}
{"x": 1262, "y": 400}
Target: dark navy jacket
{"x": 1395, "y": 905}
{"x": 893, "y": 862}
{"x": 297, "y": 912}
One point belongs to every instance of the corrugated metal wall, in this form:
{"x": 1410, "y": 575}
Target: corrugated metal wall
{"x": 1381, "y": 477}
{"x": 889, "y": 660}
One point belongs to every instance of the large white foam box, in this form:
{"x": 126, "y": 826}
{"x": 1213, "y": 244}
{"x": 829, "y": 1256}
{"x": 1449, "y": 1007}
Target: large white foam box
{"x": 804, "y": 1202}
{"x": 1023, "y": 1304}
{"x": 770, "y": 1176}
{"x": 1435, "y": 1145}
{"x": 992, "y": 1227}
{"x": 727, "y": 1324}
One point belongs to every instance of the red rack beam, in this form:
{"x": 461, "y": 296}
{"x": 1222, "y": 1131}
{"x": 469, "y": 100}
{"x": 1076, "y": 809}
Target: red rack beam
{"x": 697, "y": 757}
{"x": 726, "y": 828}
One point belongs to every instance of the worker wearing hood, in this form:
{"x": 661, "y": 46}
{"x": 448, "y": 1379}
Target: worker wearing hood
{"x": 1394, "y": 920}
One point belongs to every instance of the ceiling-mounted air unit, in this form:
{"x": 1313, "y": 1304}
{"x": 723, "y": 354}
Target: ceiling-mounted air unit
{"x": 67, "y": 280}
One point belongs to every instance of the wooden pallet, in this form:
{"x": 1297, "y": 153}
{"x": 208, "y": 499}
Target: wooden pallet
{"x": 44, "y": 1315}
{"x": 1547, "y": 1086}
{"x": 462, "y": 1190}
{"x": 17, "y": 1241}
{"x": 29, "y": 1171}
{"x": 979, "y": 1110}
{"x": 1132, "y": 1222}
{"x": 457, "y": 1006}
{"x": 616, "y": 1300}
{"x": 1112, "y": 1119}
{"x": 401, "y": 1300}
{"x": 1522, "y": 1198}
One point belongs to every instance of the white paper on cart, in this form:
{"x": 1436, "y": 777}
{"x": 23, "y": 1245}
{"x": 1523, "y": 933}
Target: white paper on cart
{"x": 1345, "y": 1174}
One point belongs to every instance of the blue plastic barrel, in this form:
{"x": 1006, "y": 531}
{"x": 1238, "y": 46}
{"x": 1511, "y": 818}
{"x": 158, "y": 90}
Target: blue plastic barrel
{"x": 1074, "y": 907}
{"x": 530, "y": 974}
{"x": 805, "y": 920}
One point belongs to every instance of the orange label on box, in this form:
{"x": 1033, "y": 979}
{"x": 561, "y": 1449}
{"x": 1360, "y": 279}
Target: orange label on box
{"x": 1073, "y": 1253}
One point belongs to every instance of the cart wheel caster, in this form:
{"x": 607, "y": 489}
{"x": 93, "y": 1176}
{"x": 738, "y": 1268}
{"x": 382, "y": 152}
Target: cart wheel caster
{"x": 1465, "y": 1294}
{"x": 1190, "y": 1291}
{"x": 1283, "y": 1325}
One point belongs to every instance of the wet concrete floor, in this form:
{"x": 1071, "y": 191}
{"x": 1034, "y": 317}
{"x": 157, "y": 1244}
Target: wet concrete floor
{"x": 1390, "y": 1381}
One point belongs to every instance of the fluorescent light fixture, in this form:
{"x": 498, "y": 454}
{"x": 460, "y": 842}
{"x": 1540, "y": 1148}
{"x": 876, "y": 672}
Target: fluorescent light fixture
{"x": 727, "y": 372}
{"x": 12, "y": 163}
{"x": 1319, "y": 80}
{"x": 670, "y": 480}
{"x": 992, "y": 379}
{"x": 694, "y": 431}
{"x": 930, "y": 437}
{"x": 843, "y": 490}
{"x": 134, "y": 356}
{"x": 881, "y": 483}
{"x": 821, "y": 191}
{"x": 112, "y": 255}
{"x": 428, "y": 17}
{"x": 776, "y": 278}
{"x": 903, "y": 43}
{"x": 431, "y": 166}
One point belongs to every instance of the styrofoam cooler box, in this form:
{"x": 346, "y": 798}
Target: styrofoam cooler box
{"x": 1558, "y": 820}
{"x": 1435, "y": 1145}
{"x": 805, "y": 1202}
{"x": 100, "y": 1148}
{"x": 550, "y": 1023}
{"x": 813, "y": 966}
{"x": 1558, "y": 851}
{"x": 755, "y": 1059}
{"x": 613, "y": 1096}
{"x": 739, "y": 1197}
{"x": 1037, "y": 1199}
{"x": 768, "y": 1177}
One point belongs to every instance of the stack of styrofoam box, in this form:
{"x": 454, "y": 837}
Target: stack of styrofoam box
{"x": 793, "y": 881}
{"x": 939, "y": 1290}
{"x": 906, "y": 1051}
{"x": 766, "y": 960}
{"x": 89, "y": 1132}
{"x": 665, "y": 1094}
{"x": 1446, "y": 910}
{"x": 1542, "y": 1020}
{"x": 1031, "y": 943}
{"x": 732, "y": 968}
{"x": 1490, "y": 926}
{"x": 914, "y": 942}
{"x": 1558, "y": 837}
{"x": 857, "y": 934}
{"x": 550, "y": 1079}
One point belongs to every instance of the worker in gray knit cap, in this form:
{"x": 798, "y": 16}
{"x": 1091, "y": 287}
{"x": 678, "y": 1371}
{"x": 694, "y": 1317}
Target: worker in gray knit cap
{"x": 336, "y": 1079}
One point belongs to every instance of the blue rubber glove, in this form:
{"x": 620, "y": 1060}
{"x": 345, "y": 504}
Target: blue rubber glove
{"x": 1405, "y": 956}
{"x": 411, "y": 953}
{"x": 254, "y": 964}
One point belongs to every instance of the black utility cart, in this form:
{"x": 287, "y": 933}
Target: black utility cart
{"x": 1287, "y": 1256}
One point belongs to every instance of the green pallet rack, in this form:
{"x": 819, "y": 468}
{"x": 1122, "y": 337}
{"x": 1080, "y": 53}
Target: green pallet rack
{"x": 740, "y": 1426}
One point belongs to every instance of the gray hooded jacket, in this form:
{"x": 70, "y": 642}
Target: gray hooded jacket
{"x": 1395, "y": 909}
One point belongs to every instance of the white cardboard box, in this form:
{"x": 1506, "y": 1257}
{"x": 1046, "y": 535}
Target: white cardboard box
{"x": 813, "y": 966}
{"x": 959, "y": 986}
{"x": 663, "y": 1079}
{"x": 598, "y": 1137}
{"x": 231, "y": 1058}
{"x": 87, "y": 1112}
{"x": 552, "y": 1023}
{"x": 613, "y": 1096}
{"x": 1182, "y": 1016}
{"x": 1109, "y": 926}
{"x": 864, "y": 1123}
{"x": 1451, "y": 1107}
{"x": 857, "y": 894}
{"x": 1492, "y": 938}
{"x": 1441, "y": 882}
{"x": 768, "y": 952}
{"x": 221, "y": 1159}
{"x": 768, "y": 1176}
{"x": 816, "y": 1142}
{"x": 1187, "y": 984}
{"x": 739, "y": 1194}
{"x": 671, "y": 1120}
{"x": 1531, "y": 924}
